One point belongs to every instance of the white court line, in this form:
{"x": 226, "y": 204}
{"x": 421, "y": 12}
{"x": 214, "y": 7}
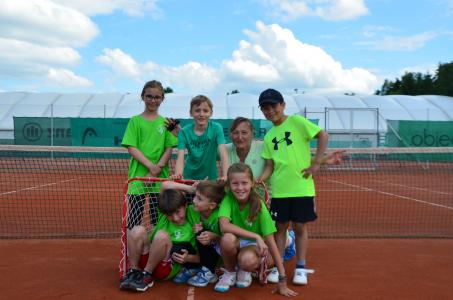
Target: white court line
{"x": 36, "y": 187}
{"x": 356, "y": 190}
{"x": 191, "y": 293}
{"x": 412, "y": 187}
{"x": 394, "y": 195}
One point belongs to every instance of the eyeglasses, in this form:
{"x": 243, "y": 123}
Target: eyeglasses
{"x": 152, "y": 97}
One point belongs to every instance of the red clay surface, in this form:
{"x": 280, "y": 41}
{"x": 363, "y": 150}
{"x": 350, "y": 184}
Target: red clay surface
{"x": 345, "y": 269}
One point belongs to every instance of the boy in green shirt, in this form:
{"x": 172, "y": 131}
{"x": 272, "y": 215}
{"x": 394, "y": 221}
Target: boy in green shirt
{"x": 170, "y": 246}
{"x": 288, "y": 160}
{"x": 204, "y": 214}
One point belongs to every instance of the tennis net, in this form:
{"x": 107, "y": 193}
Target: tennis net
{"x": 77, "y": 192}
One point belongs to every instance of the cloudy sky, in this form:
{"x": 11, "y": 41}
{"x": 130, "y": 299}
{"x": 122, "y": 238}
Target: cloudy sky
{"x": 319, "y": 46}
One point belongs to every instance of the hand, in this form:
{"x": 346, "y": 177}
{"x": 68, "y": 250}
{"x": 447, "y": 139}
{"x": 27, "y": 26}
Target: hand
{"x": 197, "y": 227}
{"x": 172, "y": 126}
{"x": 155, "y": 170}
{"x": 205, "y": 238}
{"x": 311, "y": 170}
{"x": 176, "y": 176}
{"x": 263, "y": 250}
{"x": 180, "y": 257}
{"x": 335, "y": 158}
{"x": 221, "y": 179}
{"x": 283, "y": 289}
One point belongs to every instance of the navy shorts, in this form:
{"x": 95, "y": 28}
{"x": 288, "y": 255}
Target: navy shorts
{"x": 295, "y": 209}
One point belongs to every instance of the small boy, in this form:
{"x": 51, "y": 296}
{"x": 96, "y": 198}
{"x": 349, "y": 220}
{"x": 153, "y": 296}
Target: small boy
{"x": 290, "y": 166}
{"x": 203, "y": 140}
{"x": 167, "y": 250}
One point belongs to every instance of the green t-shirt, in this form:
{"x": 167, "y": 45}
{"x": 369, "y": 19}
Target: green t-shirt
{"x": 262, "y": 225}
{"x": 253, "y": 159}
{"x": 178, "y": 233}
{"x": 152, "y": 139}
{"x": 210, "y": 224}
{"x": 288, "y": 145}
{"x": 201, "y": 160}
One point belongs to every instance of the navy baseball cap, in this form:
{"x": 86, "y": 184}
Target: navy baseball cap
{"x": 270, "y": 96}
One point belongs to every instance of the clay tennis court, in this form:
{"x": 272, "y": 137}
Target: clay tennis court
{"x": 384, "y": 232}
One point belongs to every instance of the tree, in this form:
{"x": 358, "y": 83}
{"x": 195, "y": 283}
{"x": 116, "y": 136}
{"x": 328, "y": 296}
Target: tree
{"x": 168, "y": 90}
{"x": 443, "y": 82}
{"x": 419, "y": 84}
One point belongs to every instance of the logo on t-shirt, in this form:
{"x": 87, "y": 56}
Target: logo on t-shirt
{"x": 177, "y": 234}
{"x": 248, "y": 223}
{"x": 160, "y": 129}
{"x": 286, "y": 138}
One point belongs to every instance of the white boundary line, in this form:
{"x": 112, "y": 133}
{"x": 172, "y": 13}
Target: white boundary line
{"x": 412, "y": 187}
{"x": 36, "y": 187}
{"x": 394, "y": 195}
{"x": 191, "y": 293}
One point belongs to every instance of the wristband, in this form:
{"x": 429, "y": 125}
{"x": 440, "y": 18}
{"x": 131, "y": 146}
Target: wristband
{"x": 282, "y": 278}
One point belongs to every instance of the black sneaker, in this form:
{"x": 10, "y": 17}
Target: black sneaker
{"x": 142, "y": 282}
{"x": 131, "y": 275}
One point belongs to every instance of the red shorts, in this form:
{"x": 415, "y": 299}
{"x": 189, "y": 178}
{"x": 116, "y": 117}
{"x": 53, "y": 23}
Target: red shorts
{"x": 161, "y": 271}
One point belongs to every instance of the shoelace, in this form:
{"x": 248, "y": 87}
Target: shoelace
{"x": 262, "y": 275}
{"x": 223, "y": 279}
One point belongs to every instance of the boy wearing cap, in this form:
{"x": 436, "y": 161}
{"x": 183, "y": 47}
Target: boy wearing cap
{"x": 290, "y": 168}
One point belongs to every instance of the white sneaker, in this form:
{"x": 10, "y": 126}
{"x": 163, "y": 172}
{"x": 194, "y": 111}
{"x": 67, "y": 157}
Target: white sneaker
{"x": 244, "y": 279}
{"x": 300, "y": 276}
{"x": 272, "y": 277}
{"x": 227, "y": 280}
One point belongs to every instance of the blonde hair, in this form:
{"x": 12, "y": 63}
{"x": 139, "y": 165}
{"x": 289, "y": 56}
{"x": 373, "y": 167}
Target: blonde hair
{"x": 197, "y": 100}
{"x": 254, "y": 198}
{"x": 213, "y": 190}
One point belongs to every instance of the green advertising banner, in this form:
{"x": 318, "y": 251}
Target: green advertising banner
{"x": 106, "y": 132}
{"x": 420, "y": 134}
{"x": 97, "y": 132}
{"x": 42, "y": 131}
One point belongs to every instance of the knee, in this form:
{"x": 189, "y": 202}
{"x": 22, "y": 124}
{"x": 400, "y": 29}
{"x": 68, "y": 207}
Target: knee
{"x": 161, "y": 237}
{"x": 137, "y": 233}
{"x": 228, "y": 242}
{"x": 248, "y": 260}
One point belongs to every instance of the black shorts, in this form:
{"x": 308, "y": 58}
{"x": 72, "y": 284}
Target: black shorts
{"x": 295, "y": 209}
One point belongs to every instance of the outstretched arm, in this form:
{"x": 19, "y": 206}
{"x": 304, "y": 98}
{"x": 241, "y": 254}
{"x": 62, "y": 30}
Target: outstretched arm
{"x": 282, "y": 288}
{"x": 179, "y": 167}
{"x": 224, "y": 161}
{"x": 166, "y": 185}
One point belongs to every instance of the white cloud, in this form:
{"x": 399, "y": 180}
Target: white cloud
{"x": 102, "y": 7}
{"x": 38, "y": 40}
{"x": 192, "y": 75}
{"x": 331, "y": 10}
{"x": 272, "y": 56}
{"x": 16, "y": 51}
{"x": 122, "y": 63}
{"x": 44, "y": 22}
{"x": 275, "y": 57}
{"x": 394, "y": 43}
{"x": 67, "y": 78}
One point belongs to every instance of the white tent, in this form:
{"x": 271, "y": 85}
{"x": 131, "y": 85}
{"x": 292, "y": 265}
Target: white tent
{"x": 339, "y": 113}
